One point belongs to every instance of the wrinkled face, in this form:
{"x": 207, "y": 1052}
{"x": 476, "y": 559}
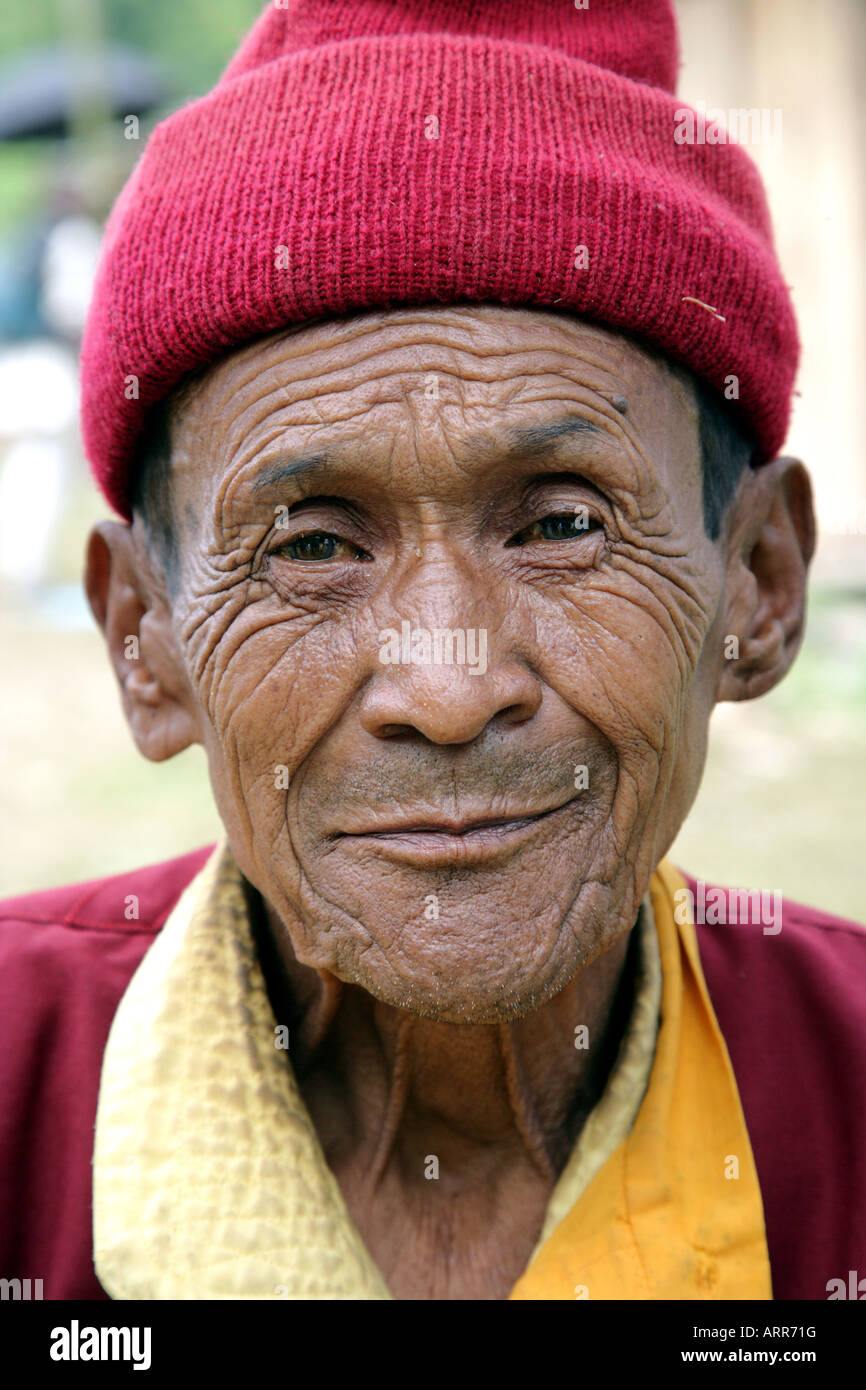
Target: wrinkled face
{"x": 457, "y": 822}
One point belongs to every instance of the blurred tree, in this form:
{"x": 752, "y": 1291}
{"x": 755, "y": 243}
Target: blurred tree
{"x": 195, "y": 39}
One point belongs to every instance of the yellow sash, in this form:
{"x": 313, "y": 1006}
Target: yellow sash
{"x": 676, "y": 1211}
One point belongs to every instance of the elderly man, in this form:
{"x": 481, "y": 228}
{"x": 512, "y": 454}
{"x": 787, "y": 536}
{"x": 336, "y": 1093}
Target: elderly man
{"x": 440, "y": 388}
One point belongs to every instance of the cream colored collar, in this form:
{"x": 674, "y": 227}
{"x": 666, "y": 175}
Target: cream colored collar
{"x": 209, "y": 1181}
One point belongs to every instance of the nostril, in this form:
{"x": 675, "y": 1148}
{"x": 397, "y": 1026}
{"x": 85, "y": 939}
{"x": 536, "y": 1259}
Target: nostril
{"x": 402, "y": 731}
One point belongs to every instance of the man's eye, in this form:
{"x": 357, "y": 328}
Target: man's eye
{"x": 319, "y": 545}
{"x": 559, "y": 526}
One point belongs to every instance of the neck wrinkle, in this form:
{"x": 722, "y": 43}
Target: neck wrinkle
{"x": 398, "y": 1092}
{"x": 522, "y": 1108}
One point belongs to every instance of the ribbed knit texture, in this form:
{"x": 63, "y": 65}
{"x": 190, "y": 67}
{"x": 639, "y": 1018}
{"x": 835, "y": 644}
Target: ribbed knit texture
{"x": 555, "y": 131}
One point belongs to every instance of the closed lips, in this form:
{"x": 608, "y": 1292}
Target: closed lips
{"x": 459, "y": 827}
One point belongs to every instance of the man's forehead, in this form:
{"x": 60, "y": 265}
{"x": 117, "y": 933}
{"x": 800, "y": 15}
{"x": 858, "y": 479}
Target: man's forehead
{"x": 481, "y": 358}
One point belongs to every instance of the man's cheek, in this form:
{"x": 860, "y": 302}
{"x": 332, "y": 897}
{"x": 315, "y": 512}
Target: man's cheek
{"x": 631, "y": 690}
{"x": 258, "y": 745}
{"x": 233, "y": 648}
{"x": 627, "y": 682}
{"x": 272, "y": 700}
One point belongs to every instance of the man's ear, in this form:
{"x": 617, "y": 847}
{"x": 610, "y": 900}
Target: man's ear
{"x": 133, "y": 612}
{"x": 771, "y": 542}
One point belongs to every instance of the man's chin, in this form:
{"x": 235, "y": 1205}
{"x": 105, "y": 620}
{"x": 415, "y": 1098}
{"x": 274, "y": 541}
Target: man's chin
{"x": 467, "y": 981}
{"x": 475, "y": 951}
{"x": 459, "y": 1002}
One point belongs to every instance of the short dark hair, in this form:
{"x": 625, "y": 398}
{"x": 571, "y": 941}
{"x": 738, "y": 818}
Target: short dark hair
{"x": 726, "y": 449}
{"x": 152, "y": 490}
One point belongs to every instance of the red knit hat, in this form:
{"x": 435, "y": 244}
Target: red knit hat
{"x": 369, "y": 153}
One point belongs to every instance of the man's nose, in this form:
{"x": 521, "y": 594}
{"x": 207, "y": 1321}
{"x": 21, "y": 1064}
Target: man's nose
{"x": 448, "y": 703}
{"x": 447, "y": 664}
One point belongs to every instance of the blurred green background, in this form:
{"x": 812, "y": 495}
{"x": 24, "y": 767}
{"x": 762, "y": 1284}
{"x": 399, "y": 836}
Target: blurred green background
{"x": 192, "y": 41}
{"x": 782, "y": 803}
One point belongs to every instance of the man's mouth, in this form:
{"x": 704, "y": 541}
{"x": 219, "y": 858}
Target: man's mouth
{"x": 462, "y": 839}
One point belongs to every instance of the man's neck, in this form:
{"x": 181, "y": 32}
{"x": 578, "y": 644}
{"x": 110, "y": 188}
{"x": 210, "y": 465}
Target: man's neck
{"x": 446, "y": 1140}
{"x": 386, "y": 1089}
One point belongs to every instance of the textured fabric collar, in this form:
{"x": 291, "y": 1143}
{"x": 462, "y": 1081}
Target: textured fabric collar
{"x": 209, "y": 1181}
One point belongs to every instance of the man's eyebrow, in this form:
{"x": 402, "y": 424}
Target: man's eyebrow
{"x": 289, "y": 467}
{"x": 539, "y": 438}
{"x": 530, "y": 439}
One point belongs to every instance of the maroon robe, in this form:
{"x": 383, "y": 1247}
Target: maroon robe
{"x": 792, "y": 1008}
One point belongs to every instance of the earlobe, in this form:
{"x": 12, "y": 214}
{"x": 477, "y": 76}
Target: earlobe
{"x": 772, "y": 540}
{"x": 136, "y": 623}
